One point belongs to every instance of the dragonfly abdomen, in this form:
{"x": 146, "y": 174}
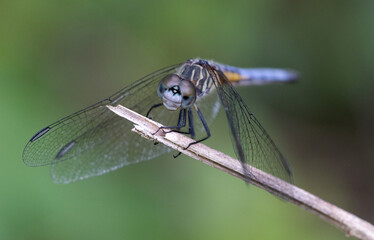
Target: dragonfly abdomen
{"x": 256, "y": 76}
{"x": 266, "y": 75}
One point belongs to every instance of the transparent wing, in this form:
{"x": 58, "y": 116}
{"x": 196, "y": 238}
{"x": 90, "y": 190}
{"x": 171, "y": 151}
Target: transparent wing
{"x": 94, "y": 141}
{"x": 252, "y": 143}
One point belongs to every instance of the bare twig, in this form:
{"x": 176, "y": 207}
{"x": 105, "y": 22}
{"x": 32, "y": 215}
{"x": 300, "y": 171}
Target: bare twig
{"x": 347, "y": 222}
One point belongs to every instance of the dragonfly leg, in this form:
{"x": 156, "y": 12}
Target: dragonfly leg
{"x": 177, "y": 155}
{"x": 154, "y": 106}
{"x": 181, "y": 123}
{"x": 192, "y": 130}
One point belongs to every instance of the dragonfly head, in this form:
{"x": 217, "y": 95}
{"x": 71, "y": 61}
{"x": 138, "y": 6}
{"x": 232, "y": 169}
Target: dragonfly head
{"x": 176, "y": 93}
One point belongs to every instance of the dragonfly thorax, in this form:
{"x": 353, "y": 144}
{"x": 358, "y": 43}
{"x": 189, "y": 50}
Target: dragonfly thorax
{"x": 176, "y": 93}
{"x": 194, "y": 71}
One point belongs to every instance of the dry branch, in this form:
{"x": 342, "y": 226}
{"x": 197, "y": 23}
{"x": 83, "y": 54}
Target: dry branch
{"x": 347, "y": 222}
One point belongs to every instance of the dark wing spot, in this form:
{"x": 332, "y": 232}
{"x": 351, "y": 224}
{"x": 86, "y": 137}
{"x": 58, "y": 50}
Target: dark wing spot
{"x": 65, "y": 149}
{"x": 39, "y": 134}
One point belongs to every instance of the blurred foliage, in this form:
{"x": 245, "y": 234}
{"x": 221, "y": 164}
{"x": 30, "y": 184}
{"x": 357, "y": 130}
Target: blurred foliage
{"x": 59, "y": 56}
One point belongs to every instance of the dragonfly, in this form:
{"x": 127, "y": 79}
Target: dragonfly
{"x": 185, "y": 98}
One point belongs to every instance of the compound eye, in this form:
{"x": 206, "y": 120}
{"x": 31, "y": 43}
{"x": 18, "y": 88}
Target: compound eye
{"x": 188, "y": 91}
{"x": 187, "y": 101}
{"x": 161, "y": 89}
{"x": 171, "y": 81}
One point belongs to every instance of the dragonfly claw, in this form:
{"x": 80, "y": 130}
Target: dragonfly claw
{"x": 177, "y": 155}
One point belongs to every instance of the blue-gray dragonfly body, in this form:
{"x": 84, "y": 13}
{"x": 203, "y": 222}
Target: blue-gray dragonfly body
{"x": 94, "y": 140}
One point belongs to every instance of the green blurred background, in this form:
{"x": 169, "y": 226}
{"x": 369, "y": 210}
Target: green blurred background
{"x": 59, "y": 56}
